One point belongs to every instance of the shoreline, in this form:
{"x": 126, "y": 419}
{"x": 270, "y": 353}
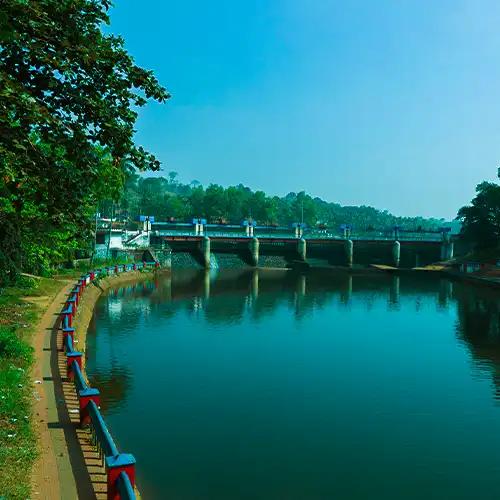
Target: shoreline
{"x": 65, "y": 466}
{"x": 56, "y": 472}
{"x": 90, "y": 298}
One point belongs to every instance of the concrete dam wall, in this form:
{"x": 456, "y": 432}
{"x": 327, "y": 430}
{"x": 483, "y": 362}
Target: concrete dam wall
{"x": 225, "y": 252}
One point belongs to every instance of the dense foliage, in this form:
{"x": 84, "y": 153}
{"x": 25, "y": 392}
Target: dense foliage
{"x": 68, "y": 94}
{"x": 481, "y": 219}
{"x": 167, "y": 198}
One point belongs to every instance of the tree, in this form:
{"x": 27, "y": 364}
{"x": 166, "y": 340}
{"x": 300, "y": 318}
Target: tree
{"x": 172, "y": 176}
{"x": 68, "y": 99}
{"x": 481, "y": 219}
{"x": 215, "y": 202}
{"x": 235, "y": 203}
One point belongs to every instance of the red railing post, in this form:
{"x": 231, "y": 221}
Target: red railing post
{"x": 68, "y": 332}
{"x": 72, "y": 357}
{"x": 85, "y": 396}
{"x": 115, "y": 465}
{"x": 76, "y": 294}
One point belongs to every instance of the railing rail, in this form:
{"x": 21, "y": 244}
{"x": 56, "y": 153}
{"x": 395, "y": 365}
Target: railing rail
{"x": 101, "y": 432}
{"x": 327, "y": 236}
{"x": 120, "y": 467}
{"x": 125, "y": 488}
{"x": 80, "y": 382}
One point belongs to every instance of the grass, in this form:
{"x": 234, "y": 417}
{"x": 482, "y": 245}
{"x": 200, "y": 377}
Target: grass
{"x": 18, "y": 447}
{"x": 19, "y": 314}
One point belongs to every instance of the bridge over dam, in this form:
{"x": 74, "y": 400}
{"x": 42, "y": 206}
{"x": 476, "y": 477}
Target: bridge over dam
{"x": 223, "y": 251}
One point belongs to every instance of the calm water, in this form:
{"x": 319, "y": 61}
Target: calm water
{"x": 280, "y": 386}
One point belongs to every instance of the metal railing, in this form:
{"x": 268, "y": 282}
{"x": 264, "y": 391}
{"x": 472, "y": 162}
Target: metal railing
{"x": 120, "y": 467}
{"x": 361, "y": 236}
{"x": 101, "y": 436}
{"x": 125, "y": 488}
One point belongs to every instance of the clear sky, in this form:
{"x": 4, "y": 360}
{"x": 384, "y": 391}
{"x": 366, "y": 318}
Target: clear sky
{"x": 394, "y": 104}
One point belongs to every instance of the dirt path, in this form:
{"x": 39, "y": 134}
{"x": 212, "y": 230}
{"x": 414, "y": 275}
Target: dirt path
{"x": 68, "y": 467}
{"x": 52, "y": 476}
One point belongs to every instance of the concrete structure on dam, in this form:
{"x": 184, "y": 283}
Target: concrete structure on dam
{"x": 282, "y": 252}
{"x": 212, "y": 246}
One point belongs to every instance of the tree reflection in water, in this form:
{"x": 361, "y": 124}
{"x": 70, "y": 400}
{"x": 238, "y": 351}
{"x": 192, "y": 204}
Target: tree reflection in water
{"x": 227, "y": 297}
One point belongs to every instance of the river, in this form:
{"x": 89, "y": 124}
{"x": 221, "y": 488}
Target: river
{"x": 276, "y": 385}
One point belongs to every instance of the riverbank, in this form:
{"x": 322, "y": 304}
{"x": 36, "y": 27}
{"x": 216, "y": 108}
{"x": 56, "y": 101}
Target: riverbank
{"x": 67, "y": 466}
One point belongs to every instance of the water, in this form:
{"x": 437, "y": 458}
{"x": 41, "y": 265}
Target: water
{"x": 273, "y": 385}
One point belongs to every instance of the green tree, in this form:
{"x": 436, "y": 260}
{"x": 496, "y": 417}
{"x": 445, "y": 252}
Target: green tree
{"x": 68, "y": 100}
{"x": 215, "y": 202}
{"x": 481, "y": 219}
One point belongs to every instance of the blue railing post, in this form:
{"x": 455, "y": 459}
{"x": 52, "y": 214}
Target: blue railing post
{"x": 115, "y": 465}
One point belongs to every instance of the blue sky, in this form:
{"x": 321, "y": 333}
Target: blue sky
{"x": 394, "y": 104}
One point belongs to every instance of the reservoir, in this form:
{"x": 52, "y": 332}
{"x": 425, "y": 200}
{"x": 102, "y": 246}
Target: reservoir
{"x": 269, "y": 384}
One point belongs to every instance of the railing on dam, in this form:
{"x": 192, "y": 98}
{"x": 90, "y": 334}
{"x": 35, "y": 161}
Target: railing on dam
{"x": 120, "y": 467}
{"x": 357, "y": 236}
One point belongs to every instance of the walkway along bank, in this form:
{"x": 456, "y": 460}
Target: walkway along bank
{"x": 119, "y": 466}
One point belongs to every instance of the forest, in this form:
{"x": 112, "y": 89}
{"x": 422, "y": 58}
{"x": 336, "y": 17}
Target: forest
{"x": 166, "y": 199}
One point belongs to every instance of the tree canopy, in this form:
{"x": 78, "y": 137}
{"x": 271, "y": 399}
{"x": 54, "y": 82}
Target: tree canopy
{"x": 68, "y": 100}
{"x": 481, "y": 219}
{"x": 166, "y": 197}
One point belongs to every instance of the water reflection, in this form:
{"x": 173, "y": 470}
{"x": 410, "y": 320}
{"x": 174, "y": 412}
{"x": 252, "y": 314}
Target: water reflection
{"x": 395, "y": 362}
{"x": 226, "y": 298}
{"x": 478, "y": 326}
{"x": 261, "y": 291}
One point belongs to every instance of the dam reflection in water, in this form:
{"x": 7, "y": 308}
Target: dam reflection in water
{"x": 272, "y": 384}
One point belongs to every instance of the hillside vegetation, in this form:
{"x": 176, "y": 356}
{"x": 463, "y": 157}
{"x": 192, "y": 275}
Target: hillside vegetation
{"x": 166, "y": 198}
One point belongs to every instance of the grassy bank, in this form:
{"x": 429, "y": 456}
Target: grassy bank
{"x": 20, "y": 309}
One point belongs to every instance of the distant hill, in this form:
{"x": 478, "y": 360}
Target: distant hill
{"x": 166, "y": 198}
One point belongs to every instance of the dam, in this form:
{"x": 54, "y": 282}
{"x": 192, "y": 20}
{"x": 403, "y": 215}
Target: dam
{"x": 208, "y": 246}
